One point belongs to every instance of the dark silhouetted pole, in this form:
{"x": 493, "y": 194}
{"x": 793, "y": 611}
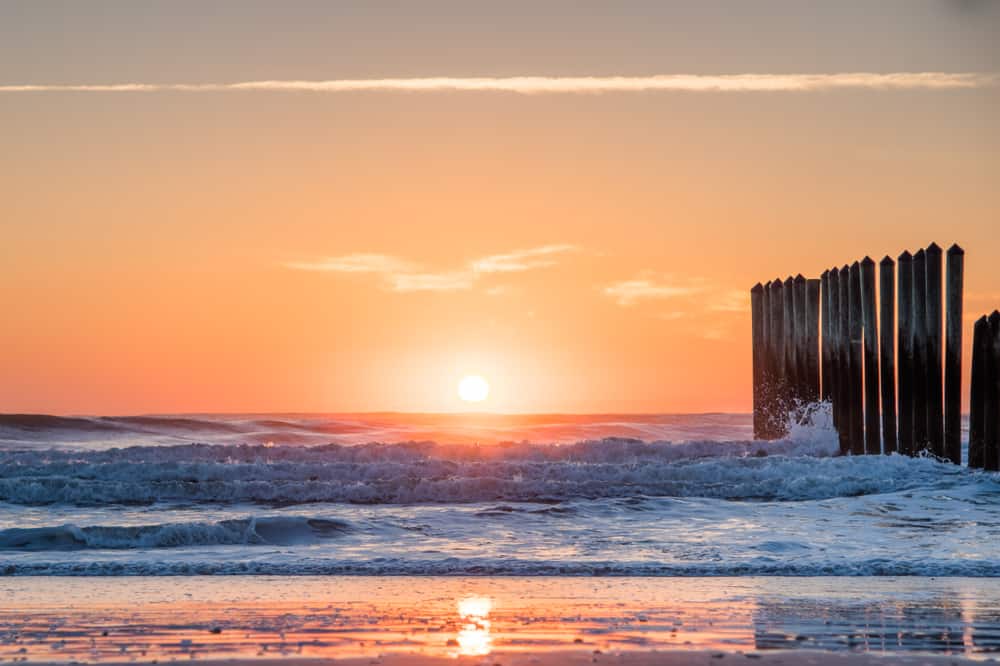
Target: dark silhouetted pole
{"x": 825, "y": 312}
{"x": 765, "y": 308}
{"x": 801, "y": 333}
{"x": 953, "y": 354}
{"x": 834, "y": 327}
{"x": 887, "y": 349}
{"x": 904, "y": 314}
{"x": 757, "y": 334}
{"x": 856, "y": 396}
{"x": 777, "y": 359}
{"x": 920, "y": 438}
{"x": 981, "y": 357}
{"x": 991, "y": 412}
{"x": 869, "y": 319}
{"x": 812, "y": 339}
{"x": 935, "y": 390}
{"x": 791, "y": 377}
{"x": 844, "y": 377}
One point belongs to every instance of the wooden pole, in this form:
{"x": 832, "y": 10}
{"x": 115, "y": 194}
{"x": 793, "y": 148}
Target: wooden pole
{"x": 953, "y": 354}
{"x": 981, "y": 351}
{"x": 834, "y": 326}
{"x": 887, "y": 349}
{"x": 791, "y": 377}
{"x": 855, "y": 324}
{"x": 765, "y": 307}
{"x": 920, "y": 437}
{"x": 904, "y": 336}
{"x": 812, "y": 340}
{"x": 757, "y": 352}
{"x": 873, "y": 444}
{"x": 776, "y": 402}
{"x": 935, "y": 390}
{"x": 991, "y": 411}
{"x": 799, "y": 326}
{"x": 844, "y": 377}
{"x": 824, "y": 308}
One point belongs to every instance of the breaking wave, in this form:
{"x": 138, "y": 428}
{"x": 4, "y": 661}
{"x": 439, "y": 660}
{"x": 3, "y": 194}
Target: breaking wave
{"x": 427, "y": 472}
{"x": 268, "y": 530}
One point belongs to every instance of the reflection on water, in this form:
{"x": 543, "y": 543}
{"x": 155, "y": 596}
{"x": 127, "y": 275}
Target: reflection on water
{"x": 95, "y": 619}
{"x": 473, "y": 638}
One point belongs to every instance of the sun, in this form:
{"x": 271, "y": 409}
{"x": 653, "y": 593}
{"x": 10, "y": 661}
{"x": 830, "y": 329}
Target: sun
{"x": 473, "y": 388}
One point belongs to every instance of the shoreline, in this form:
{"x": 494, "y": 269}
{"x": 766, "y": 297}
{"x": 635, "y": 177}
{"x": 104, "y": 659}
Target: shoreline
{"x": 418, "y": 621}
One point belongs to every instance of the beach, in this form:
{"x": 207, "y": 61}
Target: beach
{"x": 509, "y": 620}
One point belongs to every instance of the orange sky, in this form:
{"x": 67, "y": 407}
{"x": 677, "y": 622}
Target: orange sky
{"x": 155, "y": 244}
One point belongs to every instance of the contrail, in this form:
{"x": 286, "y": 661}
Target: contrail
{"x": 565, "y": 84}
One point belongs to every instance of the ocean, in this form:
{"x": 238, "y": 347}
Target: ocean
{"x": 477, "y": 495}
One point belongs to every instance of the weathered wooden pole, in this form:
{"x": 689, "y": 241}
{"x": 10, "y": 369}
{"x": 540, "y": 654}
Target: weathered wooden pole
{"x": 765, "y": 307}
{"x": 844, "y": 376}
{"x": 834, "y": 326}
{"x": 812, "y": 339}
{"x": 855, "y": 325}
{"x": 777, "y": 359}
{"x": 825, "y": 352}
{"x": 801, "y": 335}
{"x": 921, "y": 440}
{"x": 791, "y": 376}
{"x": 904, "y": 314}
{"x": 991, "y": 412}
{"x": 873, "y": 444}
{"x": 887, "y": 349}
{"x": 953, "y": 354}
{"x": 981, "y": 352}
{"x": 935, "y": 376}
{"x": 757, "y": 352}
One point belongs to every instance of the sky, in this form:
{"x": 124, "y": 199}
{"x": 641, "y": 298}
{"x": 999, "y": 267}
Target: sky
{"x": 348, "y": 206}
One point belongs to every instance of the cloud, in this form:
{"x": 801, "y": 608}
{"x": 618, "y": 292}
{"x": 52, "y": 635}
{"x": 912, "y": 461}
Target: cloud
{"x": 521, "y": 260}
{"x": 407, "y": 282}
{"x": 731, "y": 301}
{"x": 630, "y": 292}
{"x": 355, "y": 263}
{"x": 406, "y": 276}
{"x": 564, "y": 84}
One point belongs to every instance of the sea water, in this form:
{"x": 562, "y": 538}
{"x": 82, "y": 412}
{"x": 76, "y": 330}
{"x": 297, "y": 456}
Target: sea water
{"x": 460, "y": 495}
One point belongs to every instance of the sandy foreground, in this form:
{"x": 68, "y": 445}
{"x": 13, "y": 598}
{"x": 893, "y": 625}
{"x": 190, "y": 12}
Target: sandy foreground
{"x": 425, "y": 621}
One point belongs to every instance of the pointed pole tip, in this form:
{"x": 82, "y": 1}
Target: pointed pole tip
{"x": 956, "y": 249}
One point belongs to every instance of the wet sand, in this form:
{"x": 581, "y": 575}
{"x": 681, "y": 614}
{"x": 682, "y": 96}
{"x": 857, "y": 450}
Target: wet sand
{"x": 423, "y": 621}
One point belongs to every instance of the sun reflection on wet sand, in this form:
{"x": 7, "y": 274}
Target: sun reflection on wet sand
{"x": 474, "y": 638}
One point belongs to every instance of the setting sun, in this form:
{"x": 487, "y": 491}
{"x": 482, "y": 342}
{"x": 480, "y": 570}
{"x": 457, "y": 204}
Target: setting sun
{"x": 473, "y": 388}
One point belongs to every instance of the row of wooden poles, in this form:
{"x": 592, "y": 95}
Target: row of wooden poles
{"x": 984, "y": 398}
{"x": 820, "y": 339}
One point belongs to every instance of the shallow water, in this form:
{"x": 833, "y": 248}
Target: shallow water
{"x": 539, "y": 495}
{"x": 109, "y": 619}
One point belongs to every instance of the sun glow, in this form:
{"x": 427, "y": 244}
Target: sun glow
{"x": 473, "y": 388}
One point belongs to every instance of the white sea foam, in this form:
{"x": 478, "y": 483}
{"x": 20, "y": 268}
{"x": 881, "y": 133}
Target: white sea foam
{"x": 79, "y": 496}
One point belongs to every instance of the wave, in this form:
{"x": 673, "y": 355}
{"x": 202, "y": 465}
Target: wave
{"x": 422, "y": 472}
{"x": 378, "y": 566}
{"x": 268, "y": 530}
{"x": 29, "y": 430}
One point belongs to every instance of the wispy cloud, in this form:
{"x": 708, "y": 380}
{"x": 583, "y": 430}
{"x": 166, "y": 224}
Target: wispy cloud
{"x": 630, "y": 292}
{"x": 521, "y": 260}
{"x": 406, "y": 276}
{"x": 563, "y": 84}
{"x": 731, "y": 301}
{"x": 355, "y": 263}
{"x": 407, "y": 282}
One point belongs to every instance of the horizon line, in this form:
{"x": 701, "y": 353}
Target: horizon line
{"x": 528, "y": 85}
